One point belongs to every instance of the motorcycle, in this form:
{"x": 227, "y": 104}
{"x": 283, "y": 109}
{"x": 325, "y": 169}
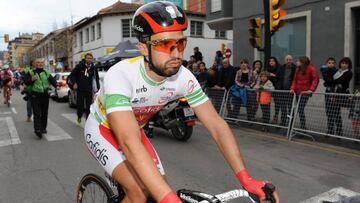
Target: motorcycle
{"x": 176, "y": 116}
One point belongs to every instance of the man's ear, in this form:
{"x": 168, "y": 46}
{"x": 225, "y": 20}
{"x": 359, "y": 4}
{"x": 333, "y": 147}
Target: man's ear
{"x": 143, "y": 49}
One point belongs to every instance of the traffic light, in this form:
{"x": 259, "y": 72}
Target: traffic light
{"x": 6, "y": 38}
{"x": 255, "y": 32}
{"x": 276, "y": 12}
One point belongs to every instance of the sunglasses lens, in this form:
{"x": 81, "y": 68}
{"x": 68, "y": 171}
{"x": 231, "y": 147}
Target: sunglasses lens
{"x": 167, "y": 46}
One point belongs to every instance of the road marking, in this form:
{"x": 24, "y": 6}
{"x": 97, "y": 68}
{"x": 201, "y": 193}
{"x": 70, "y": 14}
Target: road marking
{"x": 5, "y": 113}
{"x": 13, "y": 110}
{"x": 55, "y": 133}
{"x": 11, "y": 137}
{"x": 339, "y": 194}
{"x": 73, "y": 118}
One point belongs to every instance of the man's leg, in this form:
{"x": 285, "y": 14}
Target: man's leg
{"x": 36, "y": 104}
{"x": 44, "y": 113}
{"x": 28, "y": 108}
{"x": 88, "y": 101}
{"x": 80, "y": 104}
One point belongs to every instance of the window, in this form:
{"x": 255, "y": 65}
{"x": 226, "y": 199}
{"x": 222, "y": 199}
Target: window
{"x": 92, "y": 32}
{"x": 87, "y": 35}
{"x": 75, "y": 40}
{"x": 126, "y": 28}
{"x": 220, "y": 34}
{"x": 196, "y": 29}
{"x": 290, "y": 39}
{"x": 81, "y": 38}
{"x": 98, "y": 30}
{"x": 215, "y": 5}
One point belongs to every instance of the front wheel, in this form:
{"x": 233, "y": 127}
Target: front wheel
{"x": 182, "y": 132}
{"x": 93, "y": 188}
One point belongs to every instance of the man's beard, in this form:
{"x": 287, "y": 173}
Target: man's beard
{"x": 165, "y": 71}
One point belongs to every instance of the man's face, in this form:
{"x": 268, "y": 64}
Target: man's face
{"x": 40, "y": 63}
{"x": 168, "y": 59}
{"x": 89, "y": 59}
{"x": 272, "y": 62}
{"x": 288, "y": 60}
{"x": 226, "y": 64}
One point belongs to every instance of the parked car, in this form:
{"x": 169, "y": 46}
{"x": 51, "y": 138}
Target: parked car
{"x": 61, "y": 92}
{"x": 72, "y": 93}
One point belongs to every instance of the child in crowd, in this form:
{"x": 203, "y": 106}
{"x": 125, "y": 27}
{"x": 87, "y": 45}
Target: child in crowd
{"x": 355, "y": 114}
{"x": 263, "y": 96}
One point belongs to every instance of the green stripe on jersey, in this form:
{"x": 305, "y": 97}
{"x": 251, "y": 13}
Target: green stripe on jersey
{"x": 195, "y": 95}
{"x": 116, "y": 100}
{"x": 198, "y": 99}
{"x": 147, "y": 79}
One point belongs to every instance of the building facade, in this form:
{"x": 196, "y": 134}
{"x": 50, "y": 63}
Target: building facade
{"x": 112, "y": 25}
{"x": 56, "y": 49}
{"x": 318, "y": 29}
{"x": 19, "y": 48}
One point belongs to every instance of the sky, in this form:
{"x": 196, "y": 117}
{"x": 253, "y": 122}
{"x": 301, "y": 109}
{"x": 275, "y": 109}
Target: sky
{"x": 29, "y": 16}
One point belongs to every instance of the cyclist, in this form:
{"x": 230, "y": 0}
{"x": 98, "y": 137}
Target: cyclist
{"x": 7, "y": 78}
{"x": 134, "y": 90}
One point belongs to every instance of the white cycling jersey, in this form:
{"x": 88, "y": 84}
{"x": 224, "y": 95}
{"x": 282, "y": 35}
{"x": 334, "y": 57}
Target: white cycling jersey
{"x": 127, "y": 87}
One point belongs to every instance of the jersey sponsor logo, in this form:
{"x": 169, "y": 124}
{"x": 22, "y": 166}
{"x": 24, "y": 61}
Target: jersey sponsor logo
{"x": 140, "y": 101}
{"x": 136, "y": 100}
{"x": 188, "y": 198}
{"x": 190, "y": 86}
{"x": 142, "y": 89}
{"x": 166, "y": 98}
{"x": 167, "y": 89}
{"x": 100, "y": 154}
{"x": 138, "y": 28}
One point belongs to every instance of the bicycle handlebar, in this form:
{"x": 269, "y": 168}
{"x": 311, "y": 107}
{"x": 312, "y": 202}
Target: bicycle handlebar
{"x": 195, "y": 196}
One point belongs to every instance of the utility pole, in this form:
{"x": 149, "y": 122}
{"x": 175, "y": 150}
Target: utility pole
{"x": 267, "y": 44}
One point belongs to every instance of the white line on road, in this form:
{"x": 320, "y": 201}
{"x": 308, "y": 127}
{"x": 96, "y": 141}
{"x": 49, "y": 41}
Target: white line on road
{"x": 5, "y": 113}
{"x": 55, "y": 133}
{"x": 73, "y": 118}
{"x": 333, "y": 195}
{"x": 14, "y": 137}
{"x": 13, "y": 110}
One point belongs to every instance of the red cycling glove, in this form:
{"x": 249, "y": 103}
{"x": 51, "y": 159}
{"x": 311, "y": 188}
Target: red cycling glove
{"x": 251, "y": 185}
{"x": 170, "y": 197}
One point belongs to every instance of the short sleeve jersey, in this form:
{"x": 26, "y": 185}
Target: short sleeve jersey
{"x": 127, "y": 87}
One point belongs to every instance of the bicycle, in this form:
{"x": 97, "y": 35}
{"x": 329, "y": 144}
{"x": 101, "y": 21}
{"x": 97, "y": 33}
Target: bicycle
{"x": 92, "y": 185}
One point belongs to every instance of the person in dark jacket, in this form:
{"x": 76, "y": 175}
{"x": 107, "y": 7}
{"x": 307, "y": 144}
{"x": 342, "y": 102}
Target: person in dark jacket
{"x": 227, "y": 79}
{"x": 197, "y": 54}
{"x": 285, "y": 76}
{"x": 328, "y": 71}
{"x": 38, "y": 80}
{"x": 341, "y": 83}
{"x": 85, "y": 80}
{"x": 272, "y": 67}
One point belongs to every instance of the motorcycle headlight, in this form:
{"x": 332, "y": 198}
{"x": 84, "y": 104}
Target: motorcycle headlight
{"x": 183, "y": 99}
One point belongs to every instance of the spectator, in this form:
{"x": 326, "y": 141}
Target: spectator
{"x": 195, "y": 70}
{"x": 197, "y": 54}
{"x": 263, "y": 96}
{"x": 243, "y": 80}
{"x": 341, "y": 82}
{"x": 214, "y": 94}
{"x": 85, "y": 80}
{"x": 219, "y": 59}
{"x": 184, "y": 63}
{"x": 27, "y": 91}
{"x": 39, "y": 81}
{"x": 191, "y": 62}
{"x": 355, "y": 114}
{"x": 272, "y": 67}
{"x": 304, "y": 84}
{"x": 203, "y": 75}
{"x": 328, "y": 71}
{"x": 285, "y": 76}
{"x": 226, "y": 75}
{"x": 252, "y": 103}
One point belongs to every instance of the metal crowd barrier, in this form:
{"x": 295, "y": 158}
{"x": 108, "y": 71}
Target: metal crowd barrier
{"x": 217, "y": 98}
{"x": 327, "y": 114}
{"x": 265, "y": 108}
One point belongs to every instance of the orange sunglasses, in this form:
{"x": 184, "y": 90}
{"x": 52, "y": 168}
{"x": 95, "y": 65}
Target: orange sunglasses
{"x": 168, "y": 45}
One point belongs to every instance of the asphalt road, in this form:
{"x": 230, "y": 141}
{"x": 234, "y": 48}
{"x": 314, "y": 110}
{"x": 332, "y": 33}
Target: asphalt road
{"x": 48, "y": 170}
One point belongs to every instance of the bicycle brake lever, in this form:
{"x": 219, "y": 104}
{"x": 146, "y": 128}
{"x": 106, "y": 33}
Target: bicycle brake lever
{"x": 269, "y": 189}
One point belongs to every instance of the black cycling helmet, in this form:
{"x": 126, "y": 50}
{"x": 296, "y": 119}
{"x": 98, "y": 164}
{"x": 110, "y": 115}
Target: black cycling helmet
{"x": 156, "y": 17}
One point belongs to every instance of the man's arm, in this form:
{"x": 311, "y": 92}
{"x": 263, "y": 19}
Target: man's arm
{"x": 126, "y": 129}
{"x": 227, "y": 144}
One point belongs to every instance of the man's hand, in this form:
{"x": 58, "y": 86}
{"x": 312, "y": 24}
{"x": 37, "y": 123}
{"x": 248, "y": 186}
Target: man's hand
{"x": 254, "y": 186}
{"x": 35, "y": 77}
{"x": 307, "y": 92}
{"x": 75, "y": 86}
